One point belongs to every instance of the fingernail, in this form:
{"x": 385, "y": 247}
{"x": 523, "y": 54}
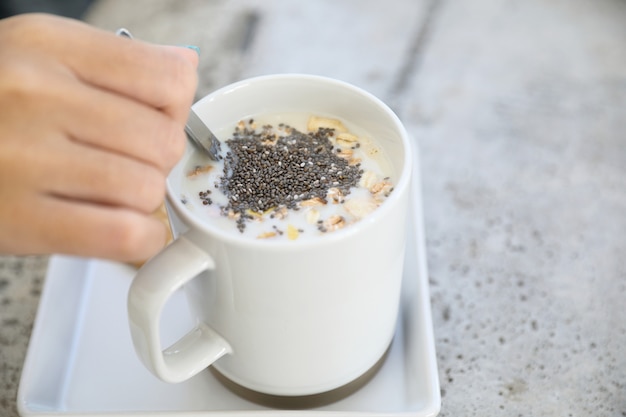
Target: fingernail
{"x": 195, "y": 48}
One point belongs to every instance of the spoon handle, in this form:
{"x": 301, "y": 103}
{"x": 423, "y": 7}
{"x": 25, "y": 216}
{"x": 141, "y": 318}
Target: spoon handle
{"x": 202, "y": 136}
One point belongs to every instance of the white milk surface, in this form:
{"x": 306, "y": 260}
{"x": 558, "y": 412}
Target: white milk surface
{"x": 307, "y": 222}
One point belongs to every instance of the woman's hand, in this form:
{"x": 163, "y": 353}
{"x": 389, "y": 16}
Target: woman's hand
{"x": 90, "y": 126}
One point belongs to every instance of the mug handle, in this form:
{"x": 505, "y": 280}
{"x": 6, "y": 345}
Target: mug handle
{"x": 153, "y": 285}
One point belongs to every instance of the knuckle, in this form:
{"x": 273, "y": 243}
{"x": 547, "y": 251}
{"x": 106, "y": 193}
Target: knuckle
{"x": 183, "y": 77}
{"x": 171, "y": 144}
{"x": 120, "y": 234}
{"x": 186, "y": 74}
{"x": 19, "y": 81}
{"x": 151, "y": 189}
{"x": 177, "y": 147}
{"x": 129, "y": 237}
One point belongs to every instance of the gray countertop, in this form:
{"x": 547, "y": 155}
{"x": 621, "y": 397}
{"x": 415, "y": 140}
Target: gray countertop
{"x": 519, "y": 109}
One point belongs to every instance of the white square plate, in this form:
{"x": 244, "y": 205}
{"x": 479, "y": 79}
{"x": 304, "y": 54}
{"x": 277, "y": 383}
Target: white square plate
{"x": 81, "y": 361}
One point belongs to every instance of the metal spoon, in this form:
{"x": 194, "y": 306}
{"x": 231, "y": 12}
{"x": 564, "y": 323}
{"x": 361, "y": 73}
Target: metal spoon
{"x": 199, "y": 133}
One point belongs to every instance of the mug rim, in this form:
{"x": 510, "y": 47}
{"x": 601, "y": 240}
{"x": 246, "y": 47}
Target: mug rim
{"x": 402, "y": 184}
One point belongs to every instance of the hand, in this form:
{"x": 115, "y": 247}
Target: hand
{"x": 90, "y": 126}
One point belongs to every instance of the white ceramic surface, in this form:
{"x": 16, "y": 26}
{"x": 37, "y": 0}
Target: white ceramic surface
{"x": 80, "y": 360}
{"x": 277, "y": 316}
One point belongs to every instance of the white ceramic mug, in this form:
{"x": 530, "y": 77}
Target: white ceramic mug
{"x": 288, "y": 317}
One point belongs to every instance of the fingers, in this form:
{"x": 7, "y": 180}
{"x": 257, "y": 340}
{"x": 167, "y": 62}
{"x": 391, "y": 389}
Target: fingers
{"x": 121, "y": 169}
{"x": 83, "y": 173}
{"x": 98, "y": 204}
{"x": 91, "y": 125}
{"x": 160, "y": 76}
{"x": 110, "y": 113}
{"x": 96, "y": 231}
{"x": 59, "y": 102}
{"x": 123, "y": 126}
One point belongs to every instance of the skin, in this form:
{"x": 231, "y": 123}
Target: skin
{"x": 90, "y": 126}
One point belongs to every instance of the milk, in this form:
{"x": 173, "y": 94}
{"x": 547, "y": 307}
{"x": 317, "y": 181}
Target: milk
{"x": 311, "y": 218}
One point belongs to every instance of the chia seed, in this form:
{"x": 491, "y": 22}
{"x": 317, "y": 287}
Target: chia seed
{"x": 204, "y": 197}
{"x": 267, "y": 169}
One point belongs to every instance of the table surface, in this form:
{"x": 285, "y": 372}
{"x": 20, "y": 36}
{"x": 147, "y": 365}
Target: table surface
{"x": 519, "y": 108}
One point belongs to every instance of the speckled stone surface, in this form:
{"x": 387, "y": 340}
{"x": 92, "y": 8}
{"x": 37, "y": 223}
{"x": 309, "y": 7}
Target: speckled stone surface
{"x": 20, "y": 287}
{"x": 519, "y": 109}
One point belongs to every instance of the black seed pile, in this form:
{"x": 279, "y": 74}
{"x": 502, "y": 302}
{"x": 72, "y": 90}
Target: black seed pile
{"x": 271, "y": 168}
